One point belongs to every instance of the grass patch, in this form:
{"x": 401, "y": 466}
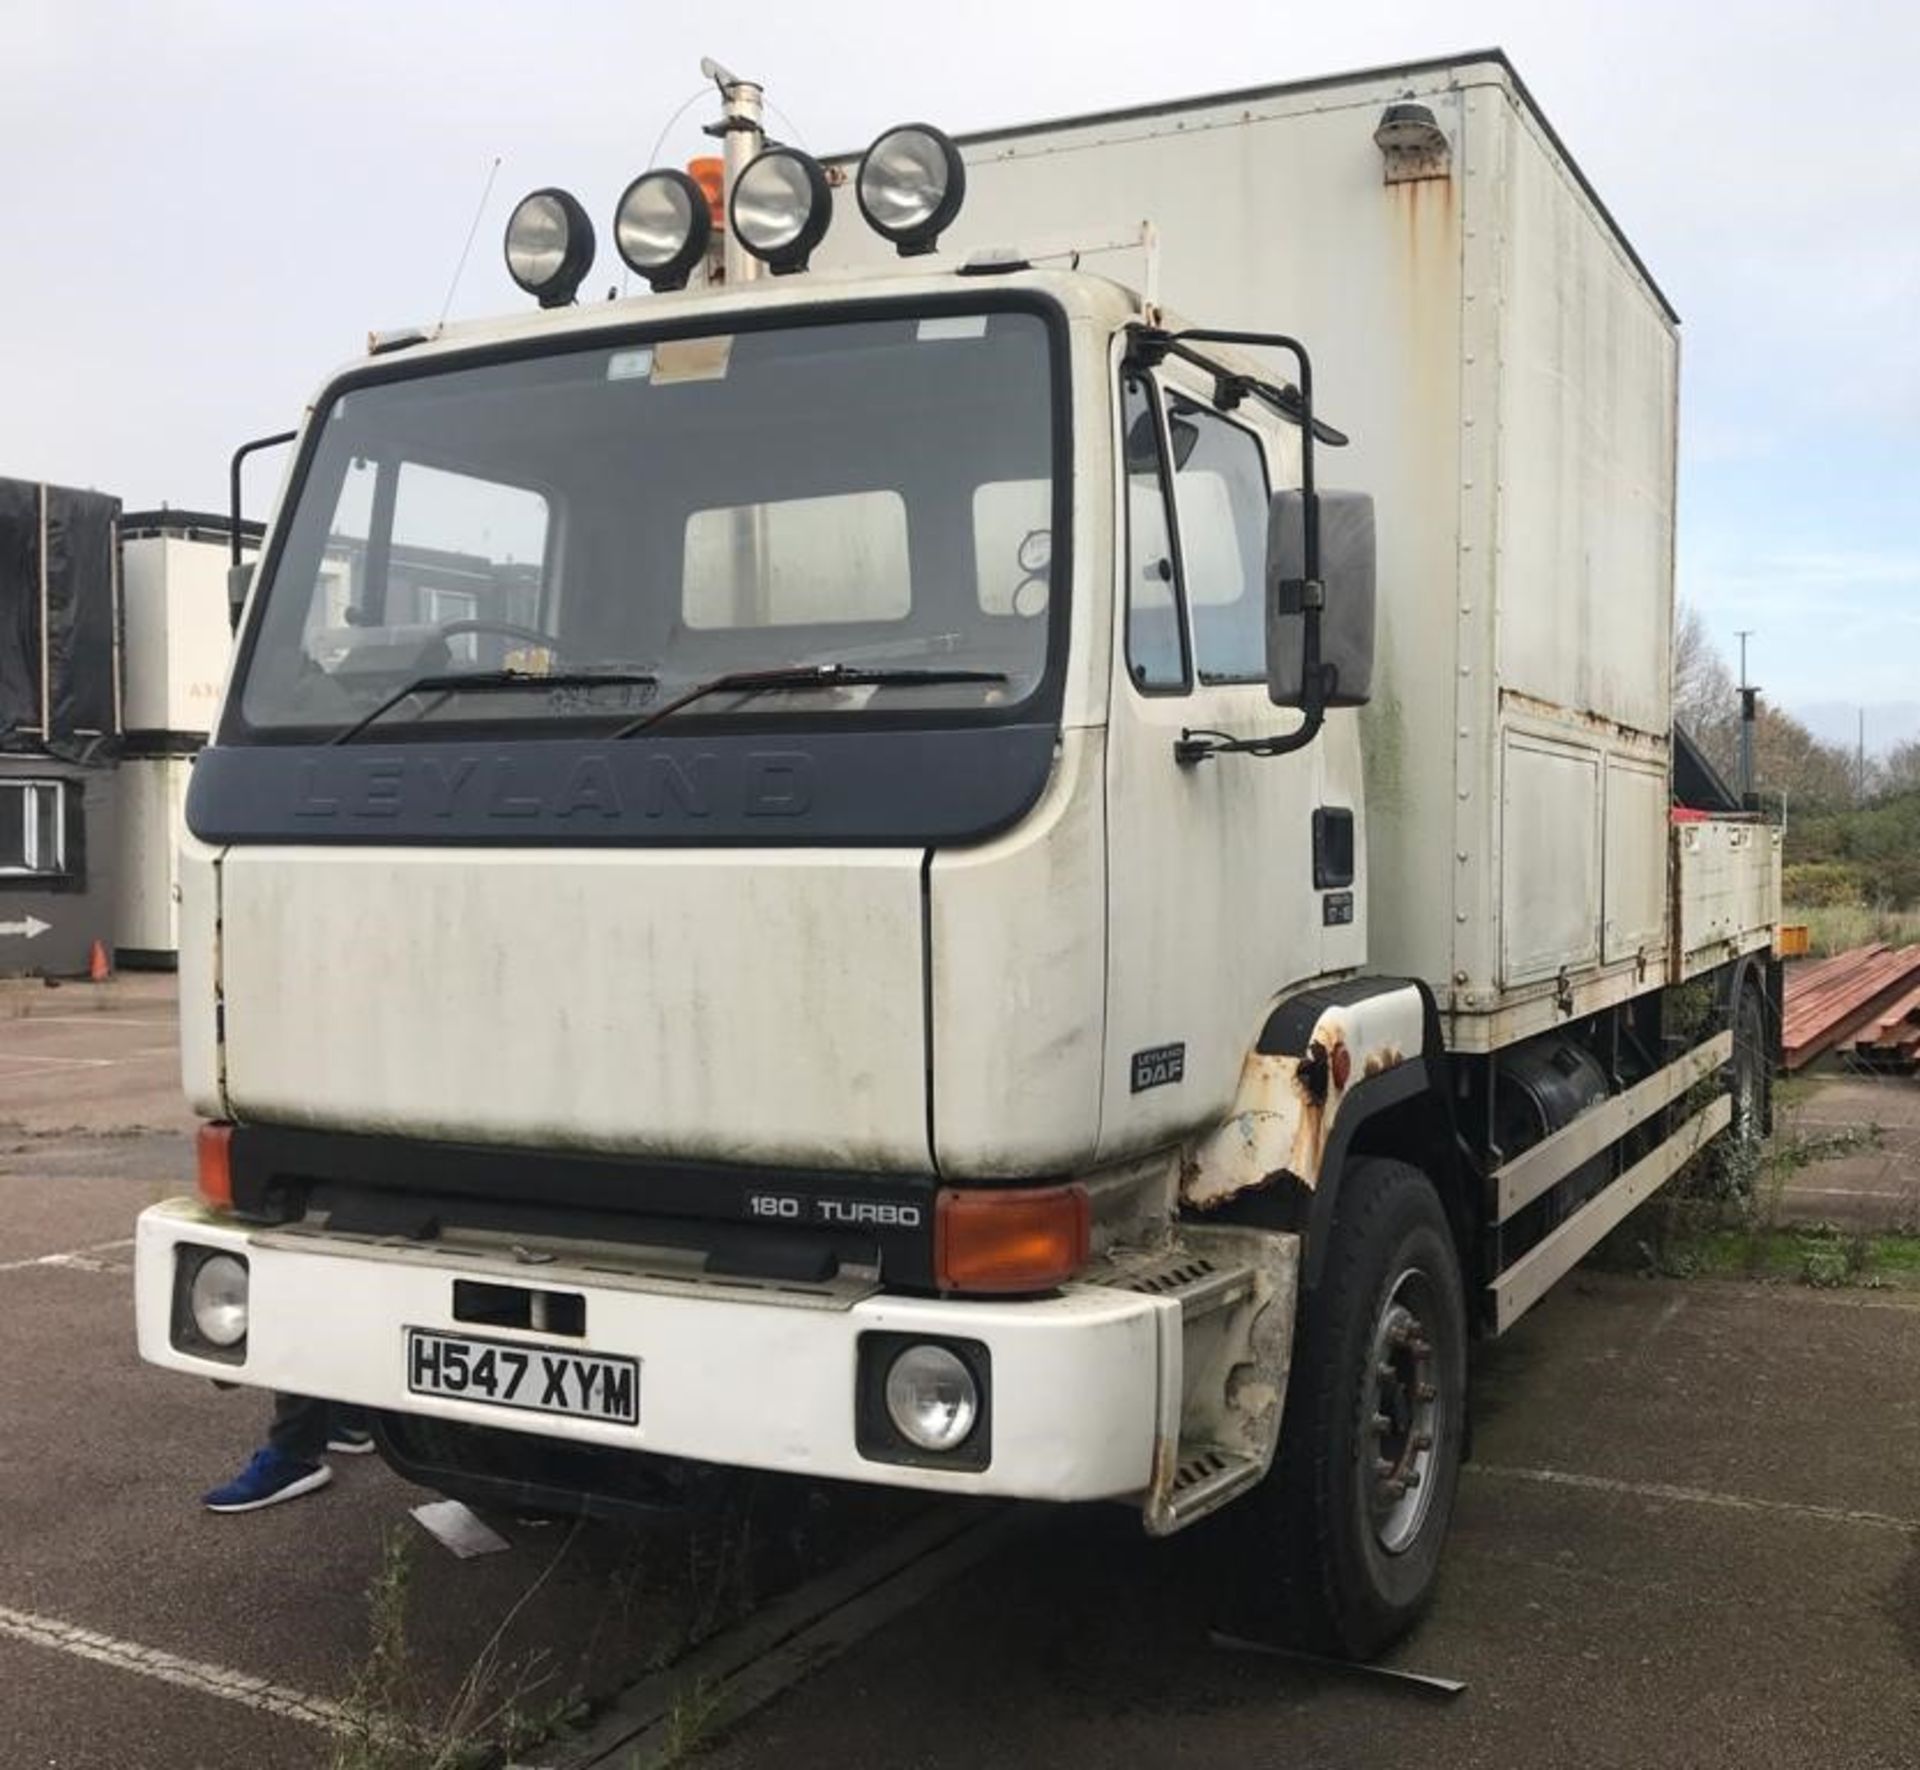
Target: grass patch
{"x": 1820, "y": 1255}
{"x": 1840, "y": 927}
{"x": 1721, "y": 1214}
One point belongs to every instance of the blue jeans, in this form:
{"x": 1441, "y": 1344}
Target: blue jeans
{"x": 302, "y": 1424}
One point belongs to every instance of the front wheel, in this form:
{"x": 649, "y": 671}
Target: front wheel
{"x": 1351, "y": 1520}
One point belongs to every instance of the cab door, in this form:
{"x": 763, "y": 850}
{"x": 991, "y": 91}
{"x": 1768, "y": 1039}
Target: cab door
{"x": 1212, "y": 907}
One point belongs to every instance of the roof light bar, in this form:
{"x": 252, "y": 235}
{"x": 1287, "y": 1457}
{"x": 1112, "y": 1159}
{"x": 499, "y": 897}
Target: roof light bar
{"x": 780, "y": 208}
{"x": 662, "y": 227}
{"x": 549, "y": 246}
{"x": 911, "y": 183}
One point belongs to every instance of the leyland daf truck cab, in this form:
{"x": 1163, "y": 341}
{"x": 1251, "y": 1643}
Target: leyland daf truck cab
{"x": 849, "y": 864}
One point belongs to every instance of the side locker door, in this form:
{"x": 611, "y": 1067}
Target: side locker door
{"x": 1211, "y": 910}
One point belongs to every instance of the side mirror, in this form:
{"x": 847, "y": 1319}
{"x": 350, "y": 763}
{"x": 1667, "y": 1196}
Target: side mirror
{"x": 1342, "y": 607}
{"x": 239, "y": 582}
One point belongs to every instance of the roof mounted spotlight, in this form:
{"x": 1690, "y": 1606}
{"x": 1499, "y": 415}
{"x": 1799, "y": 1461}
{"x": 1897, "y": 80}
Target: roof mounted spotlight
{"x": 911, "y": 184}
{"x": 549, "y": 246}
{"x": 1412, "y": 142}
{"x": 662, "y": 227}
{"x": 780, "y": 208}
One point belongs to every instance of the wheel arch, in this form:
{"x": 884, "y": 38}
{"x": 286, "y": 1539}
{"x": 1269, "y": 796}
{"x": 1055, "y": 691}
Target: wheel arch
{"x": 1399, "y": 1106}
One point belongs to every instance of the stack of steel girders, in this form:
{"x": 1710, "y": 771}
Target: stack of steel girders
{"x": 1833, "y": 999}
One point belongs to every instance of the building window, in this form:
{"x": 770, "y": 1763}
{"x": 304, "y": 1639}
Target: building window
{"x": 33, "y": 827}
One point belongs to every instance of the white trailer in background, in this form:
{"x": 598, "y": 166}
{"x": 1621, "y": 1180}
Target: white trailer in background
{"x": 851, "y": 873}
{"x": 177, "y": 640}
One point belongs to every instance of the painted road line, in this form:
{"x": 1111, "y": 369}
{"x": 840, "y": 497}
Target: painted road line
{"x": 1697, "y": 1496}
{"x": 170, "y": 1668}
{"x": 45, "y": 1062}
{"x": 77, "y": 1259}
{"x": 735, "y": 1673}
{"x": 99, "y": 1017}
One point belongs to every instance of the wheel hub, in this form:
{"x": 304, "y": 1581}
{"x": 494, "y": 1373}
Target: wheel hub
{"x": 1403, "y": 1417}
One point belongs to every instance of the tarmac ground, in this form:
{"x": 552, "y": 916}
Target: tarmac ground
{"x": 1690, "y": 1534}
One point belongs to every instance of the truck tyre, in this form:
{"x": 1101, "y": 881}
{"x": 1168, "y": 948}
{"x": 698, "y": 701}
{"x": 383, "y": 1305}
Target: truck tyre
{"x": 1750, "y": 1072}
{"x": 1356, "y": 1507}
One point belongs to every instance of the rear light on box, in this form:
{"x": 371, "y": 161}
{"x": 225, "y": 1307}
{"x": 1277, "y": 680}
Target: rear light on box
{"x": 1007, "y": 1242}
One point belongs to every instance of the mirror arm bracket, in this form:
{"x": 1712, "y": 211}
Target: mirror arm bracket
{"x": 1193, "y": 747}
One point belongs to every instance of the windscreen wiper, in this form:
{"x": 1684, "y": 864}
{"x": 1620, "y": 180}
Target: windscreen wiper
{"x": 455, "y": 682}
{"x": 745, "y": 682}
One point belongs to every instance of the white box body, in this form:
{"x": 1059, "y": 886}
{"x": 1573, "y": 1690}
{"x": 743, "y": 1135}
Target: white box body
{"x": 1507, "y": 371}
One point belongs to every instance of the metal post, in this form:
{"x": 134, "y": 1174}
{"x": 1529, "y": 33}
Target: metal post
{"x": 1743, "y": 634}
{"x": 741, "y": 137}
{"x": 1749, "y": 711}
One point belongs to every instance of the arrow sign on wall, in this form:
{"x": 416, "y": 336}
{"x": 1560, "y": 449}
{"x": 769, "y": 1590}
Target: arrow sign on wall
{"x": 27, "y": 928}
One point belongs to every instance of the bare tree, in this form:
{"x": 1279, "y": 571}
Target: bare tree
{"x": 1706, "y": 699}
{"x": 1787, "y": 757}
{"x": 1900, "y": 769}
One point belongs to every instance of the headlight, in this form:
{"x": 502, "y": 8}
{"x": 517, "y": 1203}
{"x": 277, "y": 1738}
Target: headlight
{"x": 662, "y": 227}
{"x": 781, "y": 207}
{"x": 549, "y": 246}
{"x": 910, "y": 185}
{"x": 932, "y": 1398}
{"x": 217, "y": 1299}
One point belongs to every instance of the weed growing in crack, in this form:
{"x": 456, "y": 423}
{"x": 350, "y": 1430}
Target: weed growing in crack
{"x": 395, "y": 1721}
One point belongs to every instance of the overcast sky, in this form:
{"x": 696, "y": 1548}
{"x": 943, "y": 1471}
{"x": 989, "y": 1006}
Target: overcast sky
{"x": 205, "y": 205}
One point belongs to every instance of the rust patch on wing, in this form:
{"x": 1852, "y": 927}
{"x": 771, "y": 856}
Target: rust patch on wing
{"x": 1284, "y": 1115}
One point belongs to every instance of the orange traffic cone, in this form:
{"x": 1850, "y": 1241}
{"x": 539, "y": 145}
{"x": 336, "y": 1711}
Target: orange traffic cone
{"x": 99, "y": 969}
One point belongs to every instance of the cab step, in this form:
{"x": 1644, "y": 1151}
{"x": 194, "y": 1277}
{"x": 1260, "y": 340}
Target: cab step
{"x": 1206, "y": 1477}
{"x": 1198, "y": 1284}
{"x": 1226, "y": 1295}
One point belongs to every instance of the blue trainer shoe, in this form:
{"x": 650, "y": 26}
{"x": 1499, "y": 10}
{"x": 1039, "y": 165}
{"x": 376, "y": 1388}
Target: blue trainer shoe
{"x": 266, "y": 1481}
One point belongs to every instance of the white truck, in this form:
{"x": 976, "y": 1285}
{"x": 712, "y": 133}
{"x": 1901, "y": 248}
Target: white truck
{"x": 842, "y": 871}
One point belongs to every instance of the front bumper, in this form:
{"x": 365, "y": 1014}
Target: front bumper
{"x": 729, "y": 1374}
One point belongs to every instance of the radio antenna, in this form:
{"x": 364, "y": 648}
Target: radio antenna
{"x": 486, "y": 190}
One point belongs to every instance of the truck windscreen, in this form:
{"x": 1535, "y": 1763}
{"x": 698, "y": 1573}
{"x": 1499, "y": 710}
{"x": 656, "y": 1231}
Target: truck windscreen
{"x": 592, "y": 531}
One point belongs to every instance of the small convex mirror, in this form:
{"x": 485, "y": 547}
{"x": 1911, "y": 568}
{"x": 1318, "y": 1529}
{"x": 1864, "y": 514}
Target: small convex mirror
{"x": 1346, "y": 615}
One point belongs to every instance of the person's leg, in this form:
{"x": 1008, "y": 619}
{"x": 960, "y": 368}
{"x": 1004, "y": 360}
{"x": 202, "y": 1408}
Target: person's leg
{"x": 299, "y": 1429}
{"x": 349, "y": 1431}
{"x": 286, "y": 1466}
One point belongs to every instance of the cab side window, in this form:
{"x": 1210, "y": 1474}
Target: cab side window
{"x": 1221, "y": 498}
{"x": 1156, "y": 633}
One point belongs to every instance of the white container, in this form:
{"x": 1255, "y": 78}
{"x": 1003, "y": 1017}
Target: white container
{"x": 146, "y": 910}
{"x": 174, "y": 593}
{"x": 1507, "y": 371}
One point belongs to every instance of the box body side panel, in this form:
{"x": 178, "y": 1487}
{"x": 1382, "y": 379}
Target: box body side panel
{"x": 1508, "y": 375}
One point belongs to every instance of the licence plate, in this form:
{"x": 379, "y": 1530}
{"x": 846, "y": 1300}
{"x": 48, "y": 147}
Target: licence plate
{"x": 541, "y": 1379}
